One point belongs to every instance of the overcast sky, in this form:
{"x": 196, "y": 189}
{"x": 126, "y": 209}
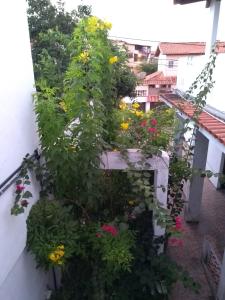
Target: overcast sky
{"x": 159, "y": 20}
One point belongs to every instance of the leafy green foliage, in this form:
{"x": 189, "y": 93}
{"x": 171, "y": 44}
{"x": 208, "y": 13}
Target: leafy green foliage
{"x": 50, "y": 225}
{"x": 148, "y": 68}
{"x": 77, "y": 120}
{"x": 51, "y": 28}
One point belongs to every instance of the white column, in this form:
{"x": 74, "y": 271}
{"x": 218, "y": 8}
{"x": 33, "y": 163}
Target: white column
{"x": 193, "y": 209}
{"x": 214, "y": 19}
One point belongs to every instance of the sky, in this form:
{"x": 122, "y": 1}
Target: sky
{"x": 159, "y": 20}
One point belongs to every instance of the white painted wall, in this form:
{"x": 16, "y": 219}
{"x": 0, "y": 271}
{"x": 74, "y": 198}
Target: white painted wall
{"x": 216, "y": 97}
{"x": 163, "y": 64}
{"x": 25, "y": 282}
{"x": 18, "y": 276}
{"x": 214, "y": 161}
{"x": 189, "y": 67}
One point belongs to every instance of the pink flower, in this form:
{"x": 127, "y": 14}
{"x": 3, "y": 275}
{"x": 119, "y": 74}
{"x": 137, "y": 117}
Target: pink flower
{"x": 174, "y": 242}
{"x": 151, "y": 129}
{"x": 154, "y": 122}
{"x": 109, "y": 228}
{"x": 19, "y": 188}
{"x": 98, "y": 235}
{"x": 178, "y": 223}
{"x": 143, "y": 123}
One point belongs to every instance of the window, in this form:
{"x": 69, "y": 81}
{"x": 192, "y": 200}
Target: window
{"x": 130, "y": 55}
{"x": 138, "y": 47}
{"x": 141, "y": 93}
{"x": 171, "y": 65}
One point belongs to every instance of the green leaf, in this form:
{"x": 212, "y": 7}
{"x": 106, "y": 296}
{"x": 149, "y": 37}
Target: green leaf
{"x": 27, "y": 195}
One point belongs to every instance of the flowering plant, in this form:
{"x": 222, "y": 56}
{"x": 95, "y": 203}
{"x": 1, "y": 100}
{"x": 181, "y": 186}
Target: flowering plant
{"x": 150, "y": 132}
{"x": 52, "y": 234}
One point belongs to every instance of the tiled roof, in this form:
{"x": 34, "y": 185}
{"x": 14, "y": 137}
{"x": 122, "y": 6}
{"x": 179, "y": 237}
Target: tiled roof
{"x": 159, "y": 78}
{"x": 208, "y": 122}
{"x": 196, "y": 48}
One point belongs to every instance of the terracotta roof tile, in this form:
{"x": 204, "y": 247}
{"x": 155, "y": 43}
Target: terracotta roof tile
{"x": 159, "y": 78}
{"x": 197, "y": 48}
{"x": 210, "y": 123}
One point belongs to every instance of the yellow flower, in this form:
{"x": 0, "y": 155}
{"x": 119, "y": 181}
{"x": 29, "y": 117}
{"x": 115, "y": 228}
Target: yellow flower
{"x": 122, "y": 105}
{"x": 53, "y": 257}
{"x": 108, "y": 25}
{"x": 92, "y": 24}
{"x": 139, "y": 113}
{"x": 113, "y": 60}
{"x": 63, "y": 106}
{"x": 135, "y": 105}
{"x": 131, "y": 202}
{"x": 84, "y": 56}
{"x": 60, "y": 253}
{"x": 72, "y": 148}
{"x": 124, "y": 125}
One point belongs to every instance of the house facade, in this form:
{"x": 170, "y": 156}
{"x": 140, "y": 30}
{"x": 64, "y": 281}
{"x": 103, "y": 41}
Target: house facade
{"x": 137, "y": 53}
{"x": 169, "y": 54}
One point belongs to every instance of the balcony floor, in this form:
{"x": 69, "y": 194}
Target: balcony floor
{"x": 211, "y": 226}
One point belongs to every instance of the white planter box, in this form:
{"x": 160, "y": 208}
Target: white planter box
{"x": 159, "y": 164}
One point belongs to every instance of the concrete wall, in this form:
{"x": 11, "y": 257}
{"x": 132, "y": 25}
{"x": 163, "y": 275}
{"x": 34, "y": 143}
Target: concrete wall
{"x": 163, "y": 64}
{"x": 25, "y": 282}
{"x": 216, "y": 97}
{"x": 18, "y": 277}
{"x": 189, "y": 67}
{"x": 214, "y": 161}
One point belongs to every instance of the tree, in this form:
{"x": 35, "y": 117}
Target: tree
{"x": 51, "y": 28}
{"x": 148, "y": 68}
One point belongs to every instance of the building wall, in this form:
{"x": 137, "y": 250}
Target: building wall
{"x": 189, "y": 67}
{"x": 163, "y": 64}
{"x": 216, "y": 97}
{"x": 18, "y": 137}
{"x": 25, "y": 282}
{"x": 214, "y": 161}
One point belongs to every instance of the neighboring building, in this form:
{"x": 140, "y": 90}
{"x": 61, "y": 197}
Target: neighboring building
{"x": 157, "y": 84}
{"x": 19, "y": 277}
{"x": 137, "y": 53}
{"x": 169, "y": 55}
{"x": 151, "y": 86}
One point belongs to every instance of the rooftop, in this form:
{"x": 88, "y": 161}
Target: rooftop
{"x": 208, "y": 122}
{"x": 197, "y": 48}
{"x": 159, "y": 78}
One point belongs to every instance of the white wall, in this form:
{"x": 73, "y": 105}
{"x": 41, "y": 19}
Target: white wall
{"x": 189, "y": 67}
{"x": 18, "y": 137}
{"x": 24, "y": 282}
{"x": 214, "y": 161}
{"x": 163, "y": 64}
{"x": 216, "y": 97}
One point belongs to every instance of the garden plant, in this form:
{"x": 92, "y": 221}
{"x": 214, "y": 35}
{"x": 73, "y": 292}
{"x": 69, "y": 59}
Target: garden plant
{"x": 96, "y": 225}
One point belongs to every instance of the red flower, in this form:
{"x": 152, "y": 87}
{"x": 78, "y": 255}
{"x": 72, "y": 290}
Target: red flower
{"x": 98, "y": 235}
{"x": 110, "y": 229}
{"x": 20, "y": 188}
{"x": 154, "y": 122}
{"x": 151, "y": 129}
{"x": 174, "y": 242}
{"x": 178, "y": 222}
{"x": 24, "y": 203}
{"x": 143, "y": 123}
